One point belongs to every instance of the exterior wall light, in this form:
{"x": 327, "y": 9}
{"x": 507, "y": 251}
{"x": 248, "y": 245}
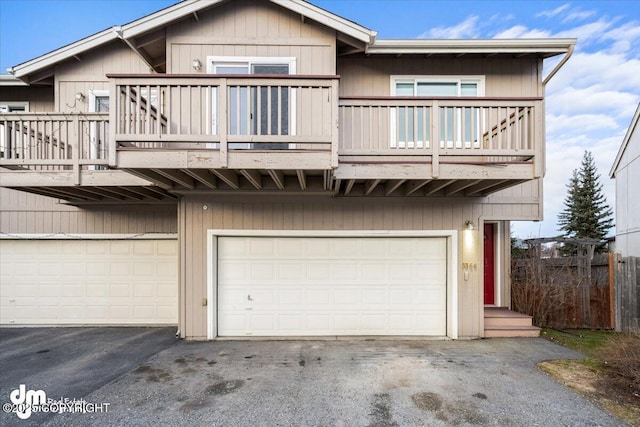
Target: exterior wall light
{"x": 469, "y": 225}
{"x": 80, "y": 96}
{"x": 196, "y": 64}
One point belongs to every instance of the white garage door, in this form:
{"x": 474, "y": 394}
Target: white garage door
{"x": 92, "y": 282}
{"x": 305, "y": 286}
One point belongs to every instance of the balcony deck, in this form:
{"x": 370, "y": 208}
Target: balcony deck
{"x": 171, "y": 134}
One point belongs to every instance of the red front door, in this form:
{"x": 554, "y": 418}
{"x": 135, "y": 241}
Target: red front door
{"x": 489, "y": 265}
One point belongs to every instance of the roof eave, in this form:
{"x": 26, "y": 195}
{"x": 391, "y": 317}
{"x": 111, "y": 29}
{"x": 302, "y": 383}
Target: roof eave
{"x": 542, "y": 47}
{"x": 625, "y": 142}
{"x": 66, "y": 52}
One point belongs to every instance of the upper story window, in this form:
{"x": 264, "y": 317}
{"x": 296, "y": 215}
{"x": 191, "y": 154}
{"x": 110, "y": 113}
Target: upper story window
{"x": 256, "y": 109}
{"x": 410, "y": 126}
{"x": 14, "y": 107}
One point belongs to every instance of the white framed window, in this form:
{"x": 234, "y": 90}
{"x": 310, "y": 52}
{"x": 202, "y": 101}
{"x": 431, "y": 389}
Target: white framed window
{"x": 98, "y": 132}
{"x": 14, "y": 106}
{"x": 7, "y": 137}
{"x": 410, "y": 125}
{"x": 256, "y": 110}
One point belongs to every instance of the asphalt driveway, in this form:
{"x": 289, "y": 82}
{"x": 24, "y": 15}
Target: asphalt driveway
{"x": 150, "y": 378}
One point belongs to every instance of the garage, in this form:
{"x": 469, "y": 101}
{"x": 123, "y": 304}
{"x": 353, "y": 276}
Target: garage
{"x": 89, "y": 282}
{"x": 333, "y": 285}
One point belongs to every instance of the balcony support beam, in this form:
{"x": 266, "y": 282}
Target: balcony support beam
{"x": 203, "y": 176}
{"x": 229, "y": 177}
{"x": 392, "y": 185}
{"x": 277, "y": 177}
{"x": 177, "y": 176}
{"x": 414, "y": 186}
{"x": 302, "y": 179}
{"x": 253, "y": 176}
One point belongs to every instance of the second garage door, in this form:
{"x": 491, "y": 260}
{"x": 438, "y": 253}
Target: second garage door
{"x": 319, "y": 286}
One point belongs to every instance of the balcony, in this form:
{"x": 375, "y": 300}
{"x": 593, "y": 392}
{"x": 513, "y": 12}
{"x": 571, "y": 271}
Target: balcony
{"x": 447, "y": 146}
{"x": 167, "y": 134}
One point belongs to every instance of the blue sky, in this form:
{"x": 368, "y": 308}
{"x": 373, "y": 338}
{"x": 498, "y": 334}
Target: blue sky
{"x": 590, "y": 103}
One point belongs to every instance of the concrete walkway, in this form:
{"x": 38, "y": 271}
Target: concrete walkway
{"x": 328, "y": 383}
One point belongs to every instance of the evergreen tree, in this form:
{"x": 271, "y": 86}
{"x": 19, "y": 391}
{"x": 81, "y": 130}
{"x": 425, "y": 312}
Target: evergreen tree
{"x": 586, "y": 213}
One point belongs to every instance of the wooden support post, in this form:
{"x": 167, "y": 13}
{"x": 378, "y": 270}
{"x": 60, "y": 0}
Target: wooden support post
{"x": 76, "y": 148}
{"x": 221, "y": 121}
{"x": 114, "y": 103}
{"x": 335, "y": 125}
{"x": 435, "y": 140}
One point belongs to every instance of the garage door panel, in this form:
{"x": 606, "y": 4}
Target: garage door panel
{"x": 314, "y": 286}
{"x": 88, "y": 282}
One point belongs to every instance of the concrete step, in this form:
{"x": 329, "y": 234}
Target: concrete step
{"x": 511, "y": 332}
{"x": 507, "y": 321}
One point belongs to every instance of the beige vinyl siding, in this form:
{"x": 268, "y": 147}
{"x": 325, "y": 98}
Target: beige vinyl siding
{"x": 363, "y": 75}
{"x": 24, "y": 213}
{"x": 523, "y": 201}
{"x": 40, "y": 99}
{"x": 323, "y": 213}
{"x": 90, "y": 74}
{"x": 250, "y": 29}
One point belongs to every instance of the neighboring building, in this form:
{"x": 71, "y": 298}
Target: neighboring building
{"x": 626, "y": 172}
{"x": 267, "y": 168}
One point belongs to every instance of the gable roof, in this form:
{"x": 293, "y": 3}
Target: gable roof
{"x": 544, "y": 48}
{"x": 178, "y": 11}
{"x": 625, "y": 142}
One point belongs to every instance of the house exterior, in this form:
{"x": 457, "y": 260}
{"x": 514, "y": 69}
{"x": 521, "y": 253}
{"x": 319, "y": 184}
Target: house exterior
{"x": 626, "y": 171}
{"x": 267, "y": 168}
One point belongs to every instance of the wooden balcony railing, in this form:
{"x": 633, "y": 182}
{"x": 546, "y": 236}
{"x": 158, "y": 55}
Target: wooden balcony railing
{"x": 54, "y": 141}
{"x": 454, "y": 130}
{"x": 252, "y": 116}
{"x": 225, "y": 113}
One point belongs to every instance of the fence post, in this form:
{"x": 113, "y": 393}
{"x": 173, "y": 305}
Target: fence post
{"x": 612, "y": 283}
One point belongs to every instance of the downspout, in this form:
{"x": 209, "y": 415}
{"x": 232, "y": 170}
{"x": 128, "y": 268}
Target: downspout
{"x": 118, "y": 32}
{"x": 560, "y": 64}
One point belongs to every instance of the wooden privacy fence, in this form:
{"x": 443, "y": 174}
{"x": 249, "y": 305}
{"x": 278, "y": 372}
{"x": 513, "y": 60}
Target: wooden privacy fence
{"x": 627, "y": 293}
{"x": 554, "y": 292}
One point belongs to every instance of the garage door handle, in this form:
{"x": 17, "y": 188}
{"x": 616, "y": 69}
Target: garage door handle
{"x": 249, "y": 298}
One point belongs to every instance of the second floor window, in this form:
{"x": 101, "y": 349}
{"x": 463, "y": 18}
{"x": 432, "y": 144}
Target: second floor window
{"x": 256, "y": 109}
{"x": 411, "y": 125}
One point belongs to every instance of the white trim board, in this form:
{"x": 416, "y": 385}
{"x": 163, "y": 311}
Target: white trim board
{"x": 80, "y": 236}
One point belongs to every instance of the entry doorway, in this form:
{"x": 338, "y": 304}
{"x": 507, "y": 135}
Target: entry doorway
{"x": 489, "y": 264}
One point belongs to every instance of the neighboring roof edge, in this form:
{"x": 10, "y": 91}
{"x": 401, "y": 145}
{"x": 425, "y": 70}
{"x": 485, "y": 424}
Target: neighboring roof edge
{"x": 625, "y": 142}
{"x": 62, "y": 53}
{"x": 9, "y": 80}
{"x": 547, "y": 47}
{"x": 177, "y": 11}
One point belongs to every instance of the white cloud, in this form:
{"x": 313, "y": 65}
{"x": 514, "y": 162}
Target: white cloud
{"x": 563, "y": 124}
{"x": 573, "y": 100}
{"x": 610, "y": 71}
{"x": 465, "y": 29}
{"x": 551, "y": 13}
{"x": 520, "y": 31}
{"x": 578, "y": 15}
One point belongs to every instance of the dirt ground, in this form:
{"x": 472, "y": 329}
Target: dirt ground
{"x": 617, "y": 395}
